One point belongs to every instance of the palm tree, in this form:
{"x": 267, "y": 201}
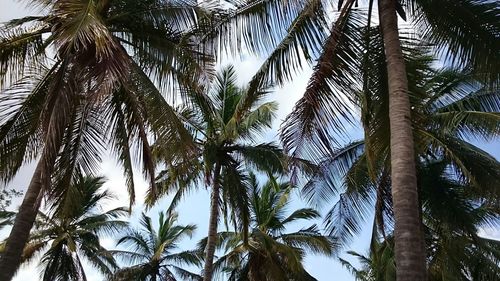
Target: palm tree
{"x": 71, "y": 231}
{"x": 464, "y": 31}
{"x": 410, "y": 251}
{"x": 270, "y": 253}
{"x": 449, "y": 106}
{"x": 452, "y": 216}
{"x": 224, "y": 128}
{"x": 112, "y": 59}
{"x": 151, "y": 251}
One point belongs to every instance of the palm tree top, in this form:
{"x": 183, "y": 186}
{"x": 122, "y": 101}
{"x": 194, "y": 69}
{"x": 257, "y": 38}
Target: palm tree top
{"x": 239, "y": 113}
{"x": 151, "y": 250}
{"x": 269, "y": 204}
{"x": 72, "y": 229}
{"x": 270, "y": 252}
{"x": 226, "y": 125}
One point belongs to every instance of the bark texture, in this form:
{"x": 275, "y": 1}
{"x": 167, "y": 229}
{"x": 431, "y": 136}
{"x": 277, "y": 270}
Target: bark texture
{"x": 11, "y": 257}
{"x": 212, "y": 225}
{"x": 409, "y": 239}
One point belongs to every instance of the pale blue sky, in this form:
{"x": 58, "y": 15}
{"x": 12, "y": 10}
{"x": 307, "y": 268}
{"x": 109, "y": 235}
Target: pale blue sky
{"x": 195, "y": 208}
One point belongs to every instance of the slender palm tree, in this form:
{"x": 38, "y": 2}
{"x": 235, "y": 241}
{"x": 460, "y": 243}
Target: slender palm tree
{"x": 450, "y": 107}
{"x": 71, "y": 230}
{"x": 270, "y": 253}
{"x": 225, "y": 130}
{"x": 410, "y": 251}
{"x": 150, "y": 251}
{"x": 452, "y": 216}
{"x": 465, "y": 32}
{"x": 82, "y": 75}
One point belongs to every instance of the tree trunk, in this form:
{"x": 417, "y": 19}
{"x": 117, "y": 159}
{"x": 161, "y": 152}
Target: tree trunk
{"x": 11, "y": 257}
{"x": 25, "y": 218}
{"x": 212, "y": 226}
{"x": 409, "y": 241}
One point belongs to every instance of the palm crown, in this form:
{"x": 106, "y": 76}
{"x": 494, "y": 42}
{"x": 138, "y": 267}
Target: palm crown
{"x": 105, "y": 76}
{"x": 224, "y": 129}
{"x": 270, "y": 253}
{"x": 151, "y": 251}
{"x": 72, "y": 230}
{"x": 102, "y": 87}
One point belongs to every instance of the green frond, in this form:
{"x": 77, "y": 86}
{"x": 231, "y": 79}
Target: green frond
{"x": 235, "y": 194}
{"x": 326, "y": 182}
{"x": 149, "y": 249}
{"x": 311, "y": 241}
{"x": 23, "y": 110}
{"x": 302, "y": 214}
{"x": 299, "y": 46}
{"x": 21, "y": 48}
{"x": 81, "y": 147}
{"x": 473, "y": 164}
{"x": 471, "y": 115}
{"x": 186, "y": 258}
{"x": 265, "y": 157}
{"x": 327, "y": 100}
{"x": 256, "y": 26}
{"x": 178, "y": 15}
{"x": 178, "y": 179}
{"x": 346, "y": 217}
{"x": 186, "y": 275}
{"x": 61, "y": 264}
{"x": 465, "y": 31}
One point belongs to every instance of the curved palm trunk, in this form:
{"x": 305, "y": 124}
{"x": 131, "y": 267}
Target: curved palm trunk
{"x": 409, "y": 249}
{"x": 25, "y": 218}
{"x": 212, "y": 226}
{"x": 11, "y": 257}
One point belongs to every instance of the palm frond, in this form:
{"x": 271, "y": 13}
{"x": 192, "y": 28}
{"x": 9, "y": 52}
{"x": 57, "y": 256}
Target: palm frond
{"x": 22, "y": 109}
{"x": 326, "y": 182}
{"x": 20, "y": 47}
{"x": 326, "y": 100}
{"x": 266, "y": 157}
{"x": 465, "y": 31}
{"x": 300, "y": 45}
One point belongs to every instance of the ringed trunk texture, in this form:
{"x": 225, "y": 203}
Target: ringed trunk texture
{"x": 409, "y": 239}
{"x": 212, "y": 226}
{"x": 11, "y": 257}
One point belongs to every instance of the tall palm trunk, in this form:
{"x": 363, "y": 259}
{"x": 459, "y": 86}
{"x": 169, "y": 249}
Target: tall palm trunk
{"x": 212, "y": 225}
{"x": 25, "y": 218}
{"x": 409, "y": 249}
{"x": 11, "y": 257}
